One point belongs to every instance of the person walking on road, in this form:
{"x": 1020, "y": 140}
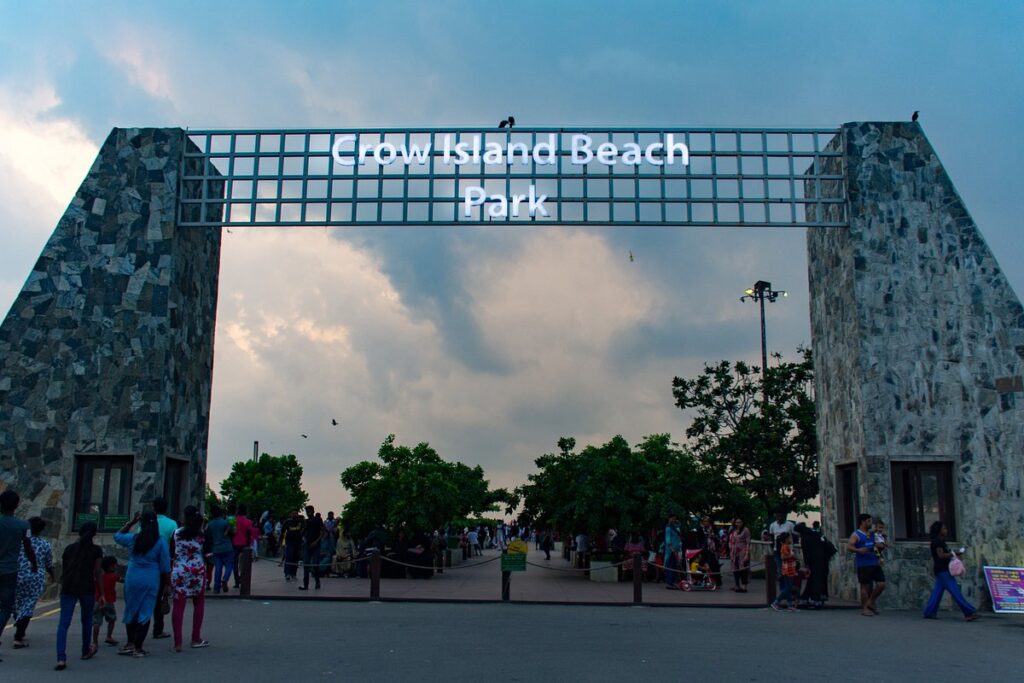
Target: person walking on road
{"x": 313, "y": 534}
{"x": 944, "y": 581}
{"x": 188, "y": 576}
{"x": 14, "y": 540}
{"x": 291, "y": 538}
{"x": 31, "y": 583}
{"x": 218, "y": 531}
{"x": 245, "y": 534}
{"x": 673, "y": 553}
{"x": 80, "y": 582}
{"x": 739, "y": 555}
{"x": 869, "y": 569}
{"x": 149, "y": 568}
{"x": 167, "y": 528}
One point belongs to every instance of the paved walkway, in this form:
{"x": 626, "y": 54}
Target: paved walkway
{"x": 479, "y": 579}
{"x": 283, "y": 640}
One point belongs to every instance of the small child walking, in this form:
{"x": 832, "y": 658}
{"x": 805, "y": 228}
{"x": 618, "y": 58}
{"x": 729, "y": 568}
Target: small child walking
{"x": 789, "y": 574}
{"x": 108, "y": 612}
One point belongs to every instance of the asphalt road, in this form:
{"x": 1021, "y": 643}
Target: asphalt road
{"x": 306, "y": 641}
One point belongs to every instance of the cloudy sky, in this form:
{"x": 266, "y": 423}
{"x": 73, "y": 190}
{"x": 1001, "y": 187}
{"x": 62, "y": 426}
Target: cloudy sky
{"x": 490, "y": 343}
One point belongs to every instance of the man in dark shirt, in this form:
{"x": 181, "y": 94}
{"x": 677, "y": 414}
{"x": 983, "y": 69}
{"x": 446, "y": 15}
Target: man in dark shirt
{"x": 13, "y": 538}
{"x": 311, "y": 537}
{"x": 291, "y": 536}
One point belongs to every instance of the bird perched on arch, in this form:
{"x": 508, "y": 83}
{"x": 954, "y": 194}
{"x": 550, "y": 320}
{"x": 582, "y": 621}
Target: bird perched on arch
{"x": 509, "y": 122}
{"x": 914, "y": 117}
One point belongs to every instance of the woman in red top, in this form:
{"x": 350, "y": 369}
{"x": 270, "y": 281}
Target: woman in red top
{"x": 245, "y": 534}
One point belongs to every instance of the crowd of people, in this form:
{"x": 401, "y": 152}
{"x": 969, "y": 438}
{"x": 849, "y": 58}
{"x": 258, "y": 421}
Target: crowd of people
{"x": 166, "y": 568}
{"x": 170, "y": 565}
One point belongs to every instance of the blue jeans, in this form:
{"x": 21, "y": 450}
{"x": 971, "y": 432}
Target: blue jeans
{"x": 944, "y": 581}
{"x": 8, "y": 582}
{"x": 67, "y": 611}
{"x": 672, "y": 562}
{"x": 785, "y": 591}
{"x": 223, "y": 563}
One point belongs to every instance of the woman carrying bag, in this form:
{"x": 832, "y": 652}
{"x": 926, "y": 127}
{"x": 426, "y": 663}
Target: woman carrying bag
{"x": 944, "y": 580}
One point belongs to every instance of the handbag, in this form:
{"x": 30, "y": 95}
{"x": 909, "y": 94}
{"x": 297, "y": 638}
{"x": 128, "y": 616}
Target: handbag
{"x": 956, "y": 567}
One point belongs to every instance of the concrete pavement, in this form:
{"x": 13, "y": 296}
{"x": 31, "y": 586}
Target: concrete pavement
{"x": 278, "y": 640}
{"x": 478, "y": 579}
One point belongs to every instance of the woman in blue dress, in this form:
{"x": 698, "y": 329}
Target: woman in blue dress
{"x": 149, "y": 568}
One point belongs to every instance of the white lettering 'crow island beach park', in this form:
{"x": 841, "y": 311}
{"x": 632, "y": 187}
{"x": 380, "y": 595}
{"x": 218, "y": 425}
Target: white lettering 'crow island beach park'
{"x": 543, "y": 153}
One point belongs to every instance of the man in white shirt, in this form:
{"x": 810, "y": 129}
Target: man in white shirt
{"x": 780, "y": 526}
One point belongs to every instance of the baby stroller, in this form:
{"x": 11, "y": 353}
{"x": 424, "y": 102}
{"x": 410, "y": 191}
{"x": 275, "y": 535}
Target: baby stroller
{"x": 698, "y": 576}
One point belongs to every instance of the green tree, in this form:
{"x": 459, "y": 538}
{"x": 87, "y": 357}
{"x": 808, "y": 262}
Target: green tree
{"x": 271, "y": 483}
{"x": 768, "y": 446}
{"x": 211, "y": 500}
{"x": 629, "y": 489}
{"x": 413, "y": 487}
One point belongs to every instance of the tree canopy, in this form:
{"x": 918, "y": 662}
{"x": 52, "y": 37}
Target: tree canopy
{"x": 413, "y": 487}
{"x": 271, "y": 483}
{"x": 756, "y": 433}
{"x": 630, "y": 489}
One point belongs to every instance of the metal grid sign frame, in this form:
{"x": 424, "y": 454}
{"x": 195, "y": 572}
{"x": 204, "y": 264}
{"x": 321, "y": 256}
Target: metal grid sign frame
{"x": 411, "y": 177}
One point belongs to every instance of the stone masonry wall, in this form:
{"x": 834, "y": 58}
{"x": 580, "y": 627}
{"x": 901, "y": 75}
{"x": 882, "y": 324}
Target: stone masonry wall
{"x": 919, "y": 354}
{"x": 108, "y": 349}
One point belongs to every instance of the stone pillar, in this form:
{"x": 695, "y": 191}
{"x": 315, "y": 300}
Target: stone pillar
{"x": 108, "y": 349}
{"x": 919, "y": 352}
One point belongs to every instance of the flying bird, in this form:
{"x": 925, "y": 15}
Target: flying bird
{"x": 303, "y": 436}
{"x": 630, "y": 255}
{"x": 914, "y": 117}
{"x": 334, "y": 422}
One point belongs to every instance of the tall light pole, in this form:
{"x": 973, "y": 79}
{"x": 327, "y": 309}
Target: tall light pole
{"x": 760, "y": 292}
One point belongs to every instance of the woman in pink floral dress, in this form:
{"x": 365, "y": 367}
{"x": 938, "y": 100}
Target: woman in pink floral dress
{"x": 188, "y": 576}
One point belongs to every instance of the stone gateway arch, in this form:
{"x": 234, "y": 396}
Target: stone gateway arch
{"x": 106, "y": 356}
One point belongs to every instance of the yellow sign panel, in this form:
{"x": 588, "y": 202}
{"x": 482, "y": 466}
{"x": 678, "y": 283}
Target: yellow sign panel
{"x": 519, "y": 546}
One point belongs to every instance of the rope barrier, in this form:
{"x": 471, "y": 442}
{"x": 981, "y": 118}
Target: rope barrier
{"x": 423, "y": 566}
{"x": 628, "y": 562}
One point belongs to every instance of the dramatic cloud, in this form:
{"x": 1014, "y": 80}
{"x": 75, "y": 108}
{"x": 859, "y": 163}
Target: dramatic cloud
{"x": 491, "y": 342}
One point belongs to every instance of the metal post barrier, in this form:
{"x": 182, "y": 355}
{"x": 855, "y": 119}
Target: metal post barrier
{"x": 506, "y": 583}
{"x": 770, "y": 578}
{"x": 375, "y": 575}
{"x": 638, "y": 586}
{"x": 245, "y": 571}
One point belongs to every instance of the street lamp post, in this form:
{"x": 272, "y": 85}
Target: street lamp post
{"x": 760, "y": 292}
